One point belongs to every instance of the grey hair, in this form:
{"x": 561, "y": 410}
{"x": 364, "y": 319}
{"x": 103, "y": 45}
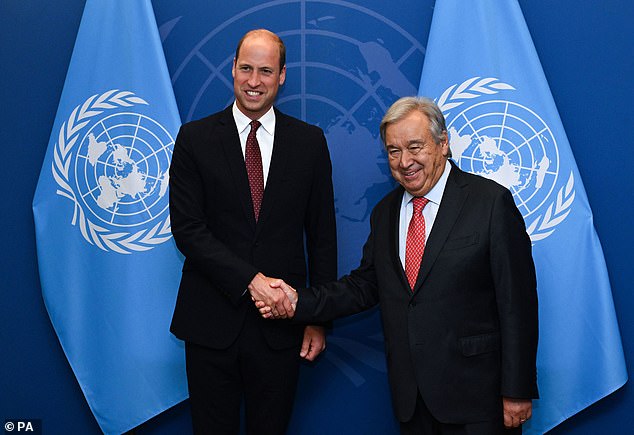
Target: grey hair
{"x": 404, "y": 106}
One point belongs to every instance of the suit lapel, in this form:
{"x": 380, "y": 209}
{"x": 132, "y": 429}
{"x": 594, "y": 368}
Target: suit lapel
{"x": 230, "y": 142}
{"x": 279, "y": 160}
{"x": 452, "y": 202}
{"x": 395, "y": 209}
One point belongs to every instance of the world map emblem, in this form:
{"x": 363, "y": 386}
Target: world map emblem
{"x": 509, "y": 143}
{"x": 113, "y": 162}
{"x": 341, "y": 78}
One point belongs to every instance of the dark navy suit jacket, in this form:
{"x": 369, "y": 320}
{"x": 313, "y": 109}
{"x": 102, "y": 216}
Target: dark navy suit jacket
{"x": 215, "y": 229}
{"x": 467, "y": 334}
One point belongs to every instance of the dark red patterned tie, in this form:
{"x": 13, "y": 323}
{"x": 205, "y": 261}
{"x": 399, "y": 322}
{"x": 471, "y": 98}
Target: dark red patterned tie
{"x": 253, "y": 161}
{"x": 415, "y": 244}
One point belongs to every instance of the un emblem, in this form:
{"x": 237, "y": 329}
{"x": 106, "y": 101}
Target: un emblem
{"x": 511, "y": 144}
{"x": 113, "y": 164}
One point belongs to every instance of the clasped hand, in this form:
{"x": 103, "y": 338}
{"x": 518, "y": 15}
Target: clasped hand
{"x": 273, "y": 297}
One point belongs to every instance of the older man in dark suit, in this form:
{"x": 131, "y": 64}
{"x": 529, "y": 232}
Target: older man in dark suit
{"x": 460, "y": 326}
{"x": 247, "y": 186}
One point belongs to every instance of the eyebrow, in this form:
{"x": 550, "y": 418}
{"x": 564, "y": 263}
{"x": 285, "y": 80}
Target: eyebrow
{"x": 240, "y": 64}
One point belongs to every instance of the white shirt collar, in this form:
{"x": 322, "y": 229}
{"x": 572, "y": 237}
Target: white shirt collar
{"x": 242, "y": 121}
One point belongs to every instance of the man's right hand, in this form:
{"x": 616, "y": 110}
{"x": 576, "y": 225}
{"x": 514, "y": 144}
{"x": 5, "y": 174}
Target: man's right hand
{"x": 269, "y": 311}
{"x": 266, "y": 292}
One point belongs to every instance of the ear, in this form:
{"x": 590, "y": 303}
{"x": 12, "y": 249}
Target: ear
{"x": 233, "y": 68}
{"x": 283, "y": 75}
{"x": 444, "y": 144}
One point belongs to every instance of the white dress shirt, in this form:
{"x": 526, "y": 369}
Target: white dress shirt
{"x": 429, "y": 212}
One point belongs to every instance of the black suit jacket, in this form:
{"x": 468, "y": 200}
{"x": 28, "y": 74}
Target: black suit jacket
{"x": 467, "y": 334}
{"x": 215, "y": 229}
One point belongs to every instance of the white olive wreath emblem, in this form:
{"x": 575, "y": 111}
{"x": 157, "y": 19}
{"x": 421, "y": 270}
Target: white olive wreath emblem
{"x": 104, "y": 238}
{"x": 544, "y": 224}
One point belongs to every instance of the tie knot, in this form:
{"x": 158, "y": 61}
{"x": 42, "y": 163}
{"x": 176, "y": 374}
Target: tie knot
{"x": 419, "y": 203}
{"x": 255, "y": 125}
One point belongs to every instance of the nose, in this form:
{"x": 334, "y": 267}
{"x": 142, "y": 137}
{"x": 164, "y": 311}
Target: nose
{"x": 254, "y": 78}
{"x": 406, "y": 159}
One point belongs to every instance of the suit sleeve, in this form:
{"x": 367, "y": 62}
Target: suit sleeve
{"x": 319, "y": 222}
{"x": 516, "y": 294}
{"x": 225, "y": 270}
{"x": 351, "y": 294}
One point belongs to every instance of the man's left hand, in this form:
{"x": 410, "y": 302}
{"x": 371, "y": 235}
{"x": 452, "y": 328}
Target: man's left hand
{"x": 314, "y": 342}
{"x": 516, "y": 411}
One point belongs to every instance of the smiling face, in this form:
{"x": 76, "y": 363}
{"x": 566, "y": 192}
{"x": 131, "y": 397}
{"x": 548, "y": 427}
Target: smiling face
{"x": 257, "y": 75}
{"x": 415, "y": 159}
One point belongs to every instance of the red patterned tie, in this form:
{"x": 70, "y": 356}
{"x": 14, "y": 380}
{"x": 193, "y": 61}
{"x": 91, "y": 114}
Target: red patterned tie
{"x": 253, "y": 161}
{"x": 415, "y": 245}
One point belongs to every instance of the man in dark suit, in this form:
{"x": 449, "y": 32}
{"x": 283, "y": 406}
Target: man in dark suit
{"x": 244, "y": 196}
{"x": 460, "y": 326}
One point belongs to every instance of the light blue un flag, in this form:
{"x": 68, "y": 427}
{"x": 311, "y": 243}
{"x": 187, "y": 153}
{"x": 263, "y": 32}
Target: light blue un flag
{"x": 483, "y": 70}
{"x": 109, "y": 267}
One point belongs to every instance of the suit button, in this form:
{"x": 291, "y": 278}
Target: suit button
{"x": 412, "y": 304}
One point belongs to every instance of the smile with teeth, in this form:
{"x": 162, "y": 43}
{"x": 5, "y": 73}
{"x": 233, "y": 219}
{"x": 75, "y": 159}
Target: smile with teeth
{"x": 410, "y": 173}
{"x": 253, "y": 93}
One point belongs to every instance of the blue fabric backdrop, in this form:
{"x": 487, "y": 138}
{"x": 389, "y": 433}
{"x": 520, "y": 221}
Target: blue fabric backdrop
{"x": 347, "y": 62}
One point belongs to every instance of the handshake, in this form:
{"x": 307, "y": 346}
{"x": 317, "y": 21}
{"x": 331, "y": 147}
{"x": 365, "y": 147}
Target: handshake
{"x": 273, "y": 297}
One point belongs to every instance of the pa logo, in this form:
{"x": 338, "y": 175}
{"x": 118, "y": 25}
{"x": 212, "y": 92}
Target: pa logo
{"x": 112, "y": 162}
{"x": 511, "y": 144}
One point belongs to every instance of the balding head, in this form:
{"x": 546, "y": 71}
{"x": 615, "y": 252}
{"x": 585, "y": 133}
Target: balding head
{"x": 264, "y": 33}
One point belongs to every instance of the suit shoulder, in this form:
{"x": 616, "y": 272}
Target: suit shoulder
{"x": 394, "y": 194}
{"x": 203, "y": 123}
{"x": 200, "y": 133}
{"x": 480, "y": 184}
{"x": 385, "y": 203}
{"x": 298, "y": 125}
